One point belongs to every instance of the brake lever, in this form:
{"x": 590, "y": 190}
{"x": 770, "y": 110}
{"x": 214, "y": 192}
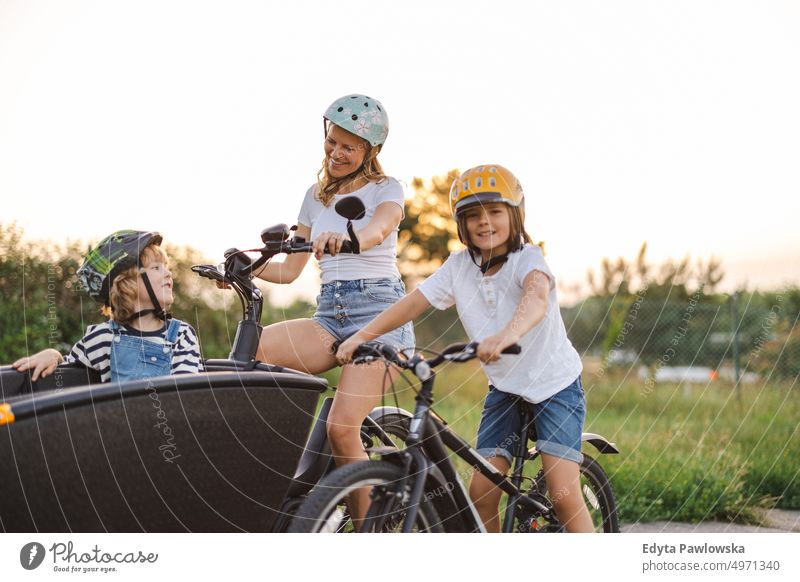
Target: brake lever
{"x": 463, "y": 356}
{"x": 208, "y": 272}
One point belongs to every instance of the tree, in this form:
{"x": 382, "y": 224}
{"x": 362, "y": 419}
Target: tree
{"x": 676, "y": 279}
{"x": 428, "y": 233}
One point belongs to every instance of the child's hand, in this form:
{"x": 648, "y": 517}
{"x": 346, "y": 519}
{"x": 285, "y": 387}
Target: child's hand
{"x": 44, "y": 363}
{"x": 345, "y": 352}
{"x": 490, "y": 348}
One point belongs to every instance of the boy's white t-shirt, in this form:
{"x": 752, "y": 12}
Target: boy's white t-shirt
{"x": 380, "y": 261}
{"x": 548, "y": 362}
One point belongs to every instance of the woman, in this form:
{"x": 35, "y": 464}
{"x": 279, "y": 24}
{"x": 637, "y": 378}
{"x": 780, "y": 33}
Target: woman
{"x": 355, "y": 288}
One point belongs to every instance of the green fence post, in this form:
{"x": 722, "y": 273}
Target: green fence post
{"x": 735, "y": 343}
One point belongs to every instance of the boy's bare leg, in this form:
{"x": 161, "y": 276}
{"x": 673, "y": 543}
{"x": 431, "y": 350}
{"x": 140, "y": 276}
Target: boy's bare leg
{"x": 486, "y": 495}
{"x": 563, "y": 485}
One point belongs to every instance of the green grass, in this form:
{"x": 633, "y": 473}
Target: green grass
{"x": 687, "y": 453}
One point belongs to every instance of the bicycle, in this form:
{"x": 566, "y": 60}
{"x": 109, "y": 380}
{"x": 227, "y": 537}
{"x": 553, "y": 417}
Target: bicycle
{"x": 418, "y": 488}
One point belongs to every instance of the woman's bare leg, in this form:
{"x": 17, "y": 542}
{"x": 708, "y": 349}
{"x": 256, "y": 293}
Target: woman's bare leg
{"x": 301, "y": 344}
{"x": 486, "y": 495}
{"x": 304, "y": 345}
{"x": 360, "y": 389}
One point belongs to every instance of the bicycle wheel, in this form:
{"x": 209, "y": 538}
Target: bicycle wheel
{"x": 597, "y": 494}
{"x": 393, "y": 424}
{"x": 325, "y": 511}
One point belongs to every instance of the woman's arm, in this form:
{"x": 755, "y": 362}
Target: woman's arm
{"x": 529, "y": 313}
{"x": 408, "y": 308}
{"x": 291, "y": 267}
{"x": 387, "y": 217}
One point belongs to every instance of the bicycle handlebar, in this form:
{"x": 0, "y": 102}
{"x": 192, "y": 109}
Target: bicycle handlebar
{"x": 294, "y": 245}
{"x": 289, "y": 247}
{"x": 460, "y": 352}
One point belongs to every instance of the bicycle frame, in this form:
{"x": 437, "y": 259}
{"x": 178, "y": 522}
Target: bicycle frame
{"x": 426, "y": 448}
{"x": 425, "y": 460}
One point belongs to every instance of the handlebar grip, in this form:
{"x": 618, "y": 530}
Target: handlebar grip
{"x": 208, "y": 272}
{"x": 302, "y": 246}
{"x": 513, "y": 349}
{"x": 375, "y": 349}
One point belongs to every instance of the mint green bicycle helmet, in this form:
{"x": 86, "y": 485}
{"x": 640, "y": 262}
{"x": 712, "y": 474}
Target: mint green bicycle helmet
{"x": 360, "y": 115}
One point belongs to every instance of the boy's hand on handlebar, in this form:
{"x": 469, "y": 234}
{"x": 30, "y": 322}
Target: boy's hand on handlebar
{"x": 332, "y": 241}
{"x": 222, "y": 285}
{"x": 43, "y": 364}
{"x": 489, "y": 349}
{"x": 345, "y": 352}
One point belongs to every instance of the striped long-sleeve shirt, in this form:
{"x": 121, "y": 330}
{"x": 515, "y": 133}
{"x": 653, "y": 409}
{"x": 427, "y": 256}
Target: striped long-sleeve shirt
{"x": 94, "y": 349}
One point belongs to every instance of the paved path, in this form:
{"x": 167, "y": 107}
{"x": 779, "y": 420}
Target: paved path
{"x": 776, "y": 521}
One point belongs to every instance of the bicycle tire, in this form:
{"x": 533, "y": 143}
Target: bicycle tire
{"x": 598, "y": 495}
{"x": 322, "y": 511}
{"x": 392, "y": 423}
{"x": 436, "y": 491}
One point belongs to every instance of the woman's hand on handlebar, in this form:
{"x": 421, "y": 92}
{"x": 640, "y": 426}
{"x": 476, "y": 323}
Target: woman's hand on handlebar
{"x": 331, "y": 240}
{"x": 489, "y": 349}
{"x": 344, "y": 354}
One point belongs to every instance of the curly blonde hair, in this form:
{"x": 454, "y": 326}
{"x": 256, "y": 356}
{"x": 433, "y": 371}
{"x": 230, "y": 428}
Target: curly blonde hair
{"x": 371, "y": 170}
{"x": 124, "y": 293}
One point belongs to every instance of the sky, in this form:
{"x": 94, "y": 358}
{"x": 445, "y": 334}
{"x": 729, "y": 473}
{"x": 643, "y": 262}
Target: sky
{"x": 674, "y": 123}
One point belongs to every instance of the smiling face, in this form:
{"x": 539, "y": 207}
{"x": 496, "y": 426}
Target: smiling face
{"x": 344, "y": 152}
{"x": 155, "y": 265}
{"x": 488, "y": 228}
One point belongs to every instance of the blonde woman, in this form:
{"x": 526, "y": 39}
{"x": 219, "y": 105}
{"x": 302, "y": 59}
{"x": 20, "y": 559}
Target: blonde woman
{"x": 355, "y": 288}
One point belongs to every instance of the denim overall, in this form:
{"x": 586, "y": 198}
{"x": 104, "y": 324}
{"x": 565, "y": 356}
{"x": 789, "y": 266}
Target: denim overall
{"x": 134, "y": 357}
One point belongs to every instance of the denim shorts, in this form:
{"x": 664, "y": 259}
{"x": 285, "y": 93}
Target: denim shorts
{"x": 345, "y": 307}
{"x": 558, "y": 422}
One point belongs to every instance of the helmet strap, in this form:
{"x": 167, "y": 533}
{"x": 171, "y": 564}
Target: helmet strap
{"x": 493, "y": 261}
{"x": 144, "y": 312}
{"x": 157, "y": 310}
{"x": 484, "y": 266}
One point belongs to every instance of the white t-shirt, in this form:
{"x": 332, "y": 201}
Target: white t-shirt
{"x": 378, "y": 262}
{"x": 548, "y": 362}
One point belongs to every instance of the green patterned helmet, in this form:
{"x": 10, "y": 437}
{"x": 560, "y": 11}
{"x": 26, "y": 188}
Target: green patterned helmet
{"x": 360, "y": 115}
{"x": 110, "y": 257}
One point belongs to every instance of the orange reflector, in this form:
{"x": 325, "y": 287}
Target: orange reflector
{"x": 6, "y": 416}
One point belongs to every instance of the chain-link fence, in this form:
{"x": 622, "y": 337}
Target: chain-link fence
{"x": 746, "y": 337}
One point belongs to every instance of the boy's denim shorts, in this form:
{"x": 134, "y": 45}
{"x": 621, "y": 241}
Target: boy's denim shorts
{"x": 345, "y": 307}
{"x": 558, "y": 421}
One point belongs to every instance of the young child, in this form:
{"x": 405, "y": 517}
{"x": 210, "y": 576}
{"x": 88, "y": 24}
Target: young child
{"x": 127, "y": 272}
{"x": 505, "y": 294}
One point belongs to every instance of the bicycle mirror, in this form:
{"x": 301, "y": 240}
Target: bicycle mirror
{"x": 351, "y": 207}
{"x": 276, "y": 233}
